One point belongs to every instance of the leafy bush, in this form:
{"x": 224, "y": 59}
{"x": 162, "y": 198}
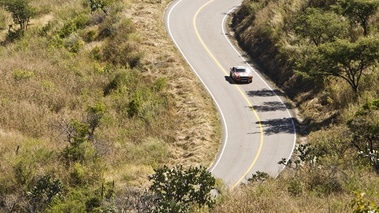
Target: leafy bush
{"x": 43, "y": 192}
{"x": 176, "y": 189}
{"x": 121, "y": 52}
{"x": 364, "y": 128}
{"x": 79, "y": 22}
{"x": 44, "y": 30}
{"x": 294, "y": 187}
{"x": 19, "y": 75}
{"x": 120, "y": 83}
{"x": 73, "y": 43}
{"x": 259, "y": 177}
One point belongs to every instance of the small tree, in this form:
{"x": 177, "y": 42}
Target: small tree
{"x": 43, "y": 192}
{"x": 176, "y": 189}
{"x": 79, "y": 132}
{"x": 20, "y": 10}
{"x": 359, "y": 10}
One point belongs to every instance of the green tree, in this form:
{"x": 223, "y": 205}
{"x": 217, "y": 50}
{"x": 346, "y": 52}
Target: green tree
{"x": 364, "y": 128}
{"x": 79, "y": 133}
{"x": 319, "y": 26}
{"x": 43, "y": 192}
{"x": 176, "y": 189}
{"x": 359, "y": 10}
{"x": 20, "y": 10}
{"x": 341, "y": 58}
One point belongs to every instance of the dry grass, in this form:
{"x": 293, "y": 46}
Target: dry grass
{"x": 277, "y": 196}
{"x": 43, "y": 86}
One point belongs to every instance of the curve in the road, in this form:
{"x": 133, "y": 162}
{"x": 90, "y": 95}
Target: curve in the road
{"x": 239, "y": 89}
{"x": 261, "y": 131}
{"x": 198, "y": 76}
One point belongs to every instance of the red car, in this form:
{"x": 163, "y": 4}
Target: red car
{"x": 241, "y": 74}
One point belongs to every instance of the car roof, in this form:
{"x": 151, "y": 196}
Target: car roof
{"x": 240, "y": 67}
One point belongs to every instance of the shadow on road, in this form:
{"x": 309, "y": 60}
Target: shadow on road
{"x": 229, "y": 79}
{"x": 272, "y": 106}
{"x": 281, "y": 125}
{"x": 265, "y": 93}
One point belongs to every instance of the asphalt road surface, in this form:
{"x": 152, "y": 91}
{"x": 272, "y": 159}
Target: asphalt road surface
{"x": 258, "y": 128}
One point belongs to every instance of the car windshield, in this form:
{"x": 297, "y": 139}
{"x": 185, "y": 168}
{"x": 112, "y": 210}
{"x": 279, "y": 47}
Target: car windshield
{"x": 240, "y": 70}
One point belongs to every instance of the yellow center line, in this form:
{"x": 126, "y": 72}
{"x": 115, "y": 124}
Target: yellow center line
{"x": 239, "y": 89}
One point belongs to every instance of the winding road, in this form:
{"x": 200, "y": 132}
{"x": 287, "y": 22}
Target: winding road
{"x": 258, "y": 128}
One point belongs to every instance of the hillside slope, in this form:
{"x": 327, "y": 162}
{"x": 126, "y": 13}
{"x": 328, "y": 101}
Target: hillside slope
{"x": 93, "y": 101}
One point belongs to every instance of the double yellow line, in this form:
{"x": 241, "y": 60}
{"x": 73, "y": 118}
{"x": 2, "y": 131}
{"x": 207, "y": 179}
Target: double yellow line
{"x": 239, "y": 89}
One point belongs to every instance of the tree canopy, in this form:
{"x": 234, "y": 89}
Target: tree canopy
{"x": 343, "y": 59}
{"x": 320, "y": 26}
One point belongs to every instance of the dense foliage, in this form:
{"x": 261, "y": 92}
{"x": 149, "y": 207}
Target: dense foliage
{"x": 176, "y": 189}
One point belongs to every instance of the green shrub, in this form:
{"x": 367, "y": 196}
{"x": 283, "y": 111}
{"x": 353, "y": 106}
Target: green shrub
{"x": 119, "y": 84}
{"x": 122, "y": 53}
{"x": 294, "y": 187}
{"x": 14, "y": 35}
{"x": 44, "y": 30}
{"x": 160, "y": 84}
{"x": 56, "y": 42}
{"x": 74, "y": 153}
{"x": 259, "y": 177}
{"x": 177, "y": 189}
{"x": 95, "y": 53}
{"x": 74, "y": 201}
{"x": 73, "y": 43}
{"x": 67, "y": 29}
{"x": 79, "y": 22}
{"x": 23, "y": 173}
{"x": 19, "y": 75}
{"x": 78, "y": 175}
{"x": 43, "y": 192}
